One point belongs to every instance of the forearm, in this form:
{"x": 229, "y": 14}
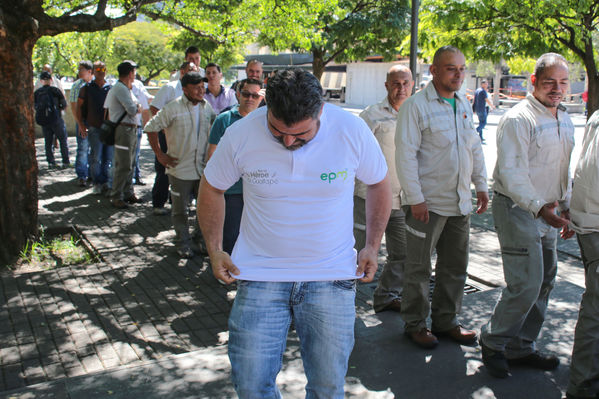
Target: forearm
{"x": 153, "y": 139}
{"x": 74, "y": 110}
{"x": 378, "y": 209}
{"x": 211, "y": 216}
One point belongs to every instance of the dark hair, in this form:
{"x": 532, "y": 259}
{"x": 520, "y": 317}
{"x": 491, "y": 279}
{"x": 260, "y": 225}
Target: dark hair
{"x": 192, "y": 78}
{"x": 191, "y": 50}
{"x": 126, "y": 67}
{"x": 244, "y": 82}
{"x": 443, "y": 50}
{"x": 86, "y": 64}
{"x": 212, "y": 64}
{"x": 293, "y": 95}
{"x": 548, "y": 60}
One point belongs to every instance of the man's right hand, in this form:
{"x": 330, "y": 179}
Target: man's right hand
{"x": 82, "y": 131}
{"x": 420, "y": 212}
{"x": 223, "y": 267}
{"x": 547, "y": 212}
{"x": 166, "y": 160}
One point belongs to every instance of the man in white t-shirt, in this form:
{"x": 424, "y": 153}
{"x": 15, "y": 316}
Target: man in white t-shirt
{"x": 294, "y": 258}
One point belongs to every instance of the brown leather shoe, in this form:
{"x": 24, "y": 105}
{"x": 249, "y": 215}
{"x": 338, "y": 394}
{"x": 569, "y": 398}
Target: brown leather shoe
{"x": 394, "y": 306}
{"x": 133, "y": 200}
{"x": 423, "y": 338}
{"x": 119, "y": 204}
{"x": 459, "y": 335}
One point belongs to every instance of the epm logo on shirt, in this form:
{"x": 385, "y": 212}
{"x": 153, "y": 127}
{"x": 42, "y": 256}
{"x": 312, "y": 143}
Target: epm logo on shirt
{"x": 330, "y": 177}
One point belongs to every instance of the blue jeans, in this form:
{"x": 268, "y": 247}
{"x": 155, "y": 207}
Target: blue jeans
{"x": 59, "y": 131}
{"x": 100, "y": 158}
{"x": 482, "y": 122}
{"x": 323, "y": 313}
{"x": 81, "y": 166}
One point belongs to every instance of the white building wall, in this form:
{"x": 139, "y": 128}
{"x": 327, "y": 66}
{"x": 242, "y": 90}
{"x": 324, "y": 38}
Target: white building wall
{"x": 366, "y": 82}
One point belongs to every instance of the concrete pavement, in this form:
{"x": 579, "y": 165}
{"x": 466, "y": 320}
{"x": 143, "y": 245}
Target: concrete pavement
{"x": 143, "y": 323}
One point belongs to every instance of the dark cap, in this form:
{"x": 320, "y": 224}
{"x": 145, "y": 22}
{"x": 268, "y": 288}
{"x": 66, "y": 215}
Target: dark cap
{"x": 126, "y": 67}
{"x": 192, "y": 78}
{"x": 45, "y": 75}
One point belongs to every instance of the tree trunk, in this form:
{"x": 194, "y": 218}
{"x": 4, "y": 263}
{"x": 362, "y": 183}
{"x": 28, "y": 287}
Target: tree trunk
{"x": 318, "y": 62}
{"x": 593, "y": 101}
{"x": 18, "y": 165}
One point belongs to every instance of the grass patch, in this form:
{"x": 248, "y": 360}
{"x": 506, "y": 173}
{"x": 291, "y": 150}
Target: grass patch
{"x": 52, "y": 250}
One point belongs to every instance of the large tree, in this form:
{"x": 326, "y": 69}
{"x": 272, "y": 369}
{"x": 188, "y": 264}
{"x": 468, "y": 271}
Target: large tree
{"x": 147, "y": 44}
{"x": 494, "y": 29}
{"x": 340, "y": 30}
{"x": 22, "y": 23}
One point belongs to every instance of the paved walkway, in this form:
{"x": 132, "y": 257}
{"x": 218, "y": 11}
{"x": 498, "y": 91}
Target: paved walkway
{"x": 144, "y": 323}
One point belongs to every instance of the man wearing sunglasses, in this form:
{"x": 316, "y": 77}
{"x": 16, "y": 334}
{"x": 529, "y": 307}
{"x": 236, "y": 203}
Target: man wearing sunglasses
{"x": 90, "y": 114}
{"x": 294, "y": 258}
{"x": 250, "y": 94}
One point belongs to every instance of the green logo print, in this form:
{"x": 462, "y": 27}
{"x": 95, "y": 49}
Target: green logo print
{"x": 333, "y": 176}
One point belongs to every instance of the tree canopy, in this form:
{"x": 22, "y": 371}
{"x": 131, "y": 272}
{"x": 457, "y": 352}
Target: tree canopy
{"x": 495, "y": 29}
{"x": 340, "y": 30}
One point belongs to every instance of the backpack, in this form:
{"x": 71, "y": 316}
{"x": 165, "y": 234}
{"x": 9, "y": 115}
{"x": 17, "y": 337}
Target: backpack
{"x": 46, "y": 111}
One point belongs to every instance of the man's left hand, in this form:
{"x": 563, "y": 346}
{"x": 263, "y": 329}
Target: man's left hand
{"x": 482, "y": 201}
{"x": 367, "y": 264}
{"x": 566, "y": 231}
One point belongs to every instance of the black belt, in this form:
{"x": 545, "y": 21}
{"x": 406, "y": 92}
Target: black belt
{"x": 129, "y": 125}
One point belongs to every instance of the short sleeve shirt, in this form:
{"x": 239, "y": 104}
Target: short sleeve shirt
{"x": 297, "y": 222}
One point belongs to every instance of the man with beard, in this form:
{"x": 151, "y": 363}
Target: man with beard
{"x": 438, "y": 155}
{"x": 294, "y": 257}
{"x": 532, "y": 183}
{"x": 381, "y": 119}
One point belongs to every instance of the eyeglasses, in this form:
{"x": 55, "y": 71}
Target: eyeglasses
{"x": 247, "y": 94}
{"x": 101, "y": 69}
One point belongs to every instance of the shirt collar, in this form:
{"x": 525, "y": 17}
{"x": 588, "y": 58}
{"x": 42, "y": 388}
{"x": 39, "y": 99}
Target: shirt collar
{"x": 186, "y": 101}
{"x": 387, "y": 105}
{"x": 432, "y": 94}
{"x": 541, "y": 108}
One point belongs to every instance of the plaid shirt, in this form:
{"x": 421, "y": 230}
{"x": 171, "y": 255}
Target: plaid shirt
{"x": 74, "y": 95}
{"x": 186, "y": 140}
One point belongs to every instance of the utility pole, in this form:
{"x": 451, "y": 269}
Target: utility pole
{"x": 414, "y": 42}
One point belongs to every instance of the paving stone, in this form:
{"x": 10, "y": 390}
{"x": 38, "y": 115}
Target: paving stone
{"x": 33, "y": 371}
{"x": 54, "y": 371}
{"x": 13, "y": 376}
{"x": 9, "y": 355}
{"x": 125, "y": 352}
{"x": 81, "y": 339}
{"x": 92, "y": 363}
{"x": 75, "y": 371}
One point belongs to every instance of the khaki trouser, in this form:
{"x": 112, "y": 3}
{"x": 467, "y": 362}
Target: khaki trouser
{"x": 449, "y": 235}
{"x": 528, "y": 251}
{"x": 125, "y": 142}
{"x": 390, "y": 281}
{"x": 584, "y": 369}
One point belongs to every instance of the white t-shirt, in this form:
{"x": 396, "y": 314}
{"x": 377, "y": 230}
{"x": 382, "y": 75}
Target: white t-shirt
{"x": 167, "y": 93}
{"x": 297, "y": 222}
